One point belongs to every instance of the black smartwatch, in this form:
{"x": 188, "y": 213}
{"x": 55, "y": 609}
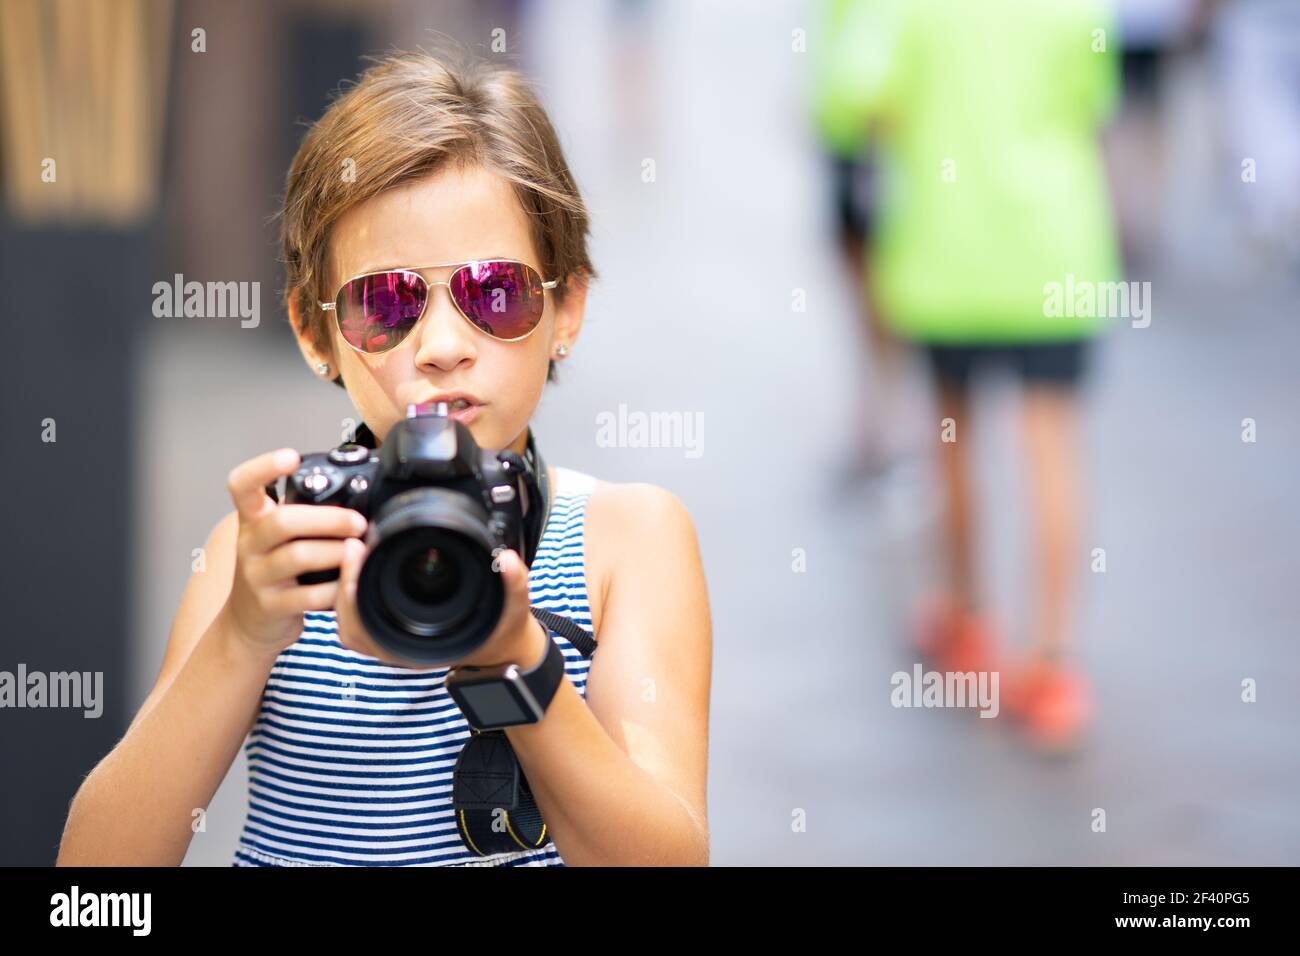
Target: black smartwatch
{"x": 507, "y": 695}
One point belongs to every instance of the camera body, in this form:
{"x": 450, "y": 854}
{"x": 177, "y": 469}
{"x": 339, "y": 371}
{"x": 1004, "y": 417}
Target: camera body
{"x": 440, "y": 508}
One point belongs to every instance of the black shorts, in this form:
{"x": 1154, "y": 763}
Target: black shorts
{"x": 1040, "y": 363}
{"x": 853, "y": 185}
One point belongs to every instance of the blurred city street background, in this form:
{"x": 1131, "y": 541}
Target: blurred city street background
{"x": 693, "y": 313}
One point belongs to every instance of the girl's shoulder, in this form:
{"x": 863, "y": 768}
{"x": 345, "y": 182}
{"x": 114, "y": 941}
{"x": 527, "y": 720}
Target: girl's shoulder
{"x": 571, "y": 483}
{"x": 626, "y": 525}
{"x": 622, "y": 505}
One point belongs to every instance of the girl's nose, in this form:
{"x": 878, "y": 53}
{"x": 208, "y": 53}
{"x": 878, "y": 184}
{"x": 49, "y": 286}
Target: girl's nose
{"x": 445, "y": 338}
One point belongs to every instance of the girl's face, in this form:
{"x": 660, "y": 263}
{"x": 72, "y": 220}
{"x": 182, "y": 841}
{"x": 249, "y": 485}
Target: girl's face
{"x": 454, "y": 215}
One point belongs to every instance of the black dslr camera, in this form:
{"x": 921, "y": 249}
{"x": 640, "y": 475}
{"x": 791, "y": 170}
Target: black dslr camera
{"x": 439, "y": 509}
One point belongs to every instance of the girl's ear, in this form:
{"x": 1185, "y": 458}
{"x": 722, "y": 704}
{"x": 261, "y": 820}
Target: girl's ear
{"x": 310, "y": 354}
{"x": 569, "y": 311}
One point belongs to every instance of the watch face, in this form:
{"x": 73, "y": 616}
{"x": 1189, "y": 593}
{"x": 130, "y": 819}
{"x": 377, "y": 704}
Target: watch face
{"x": 493, "y": 705}
{"x": 500, "y": 699}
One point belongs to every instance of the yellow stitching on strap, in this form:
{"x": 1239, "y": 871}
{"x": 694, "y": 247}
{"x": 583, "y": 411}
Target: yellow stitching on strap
{"x": 464, "y": 829}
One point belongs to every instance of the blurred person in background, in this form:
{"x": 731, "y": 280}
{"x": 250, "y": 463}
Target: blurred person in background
{"x": 1256, "y": 46}
{"x": 853, "y": 171}
{"x": 985, "y": 117}
{"x": 1158, "y": 41}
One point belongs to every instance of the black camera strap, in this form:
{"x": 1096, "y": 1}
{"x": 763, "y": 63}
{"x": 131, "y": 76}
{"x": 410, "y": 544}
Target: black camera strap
{"x": 538, "y": 481}
{"x": 494, "y": 806}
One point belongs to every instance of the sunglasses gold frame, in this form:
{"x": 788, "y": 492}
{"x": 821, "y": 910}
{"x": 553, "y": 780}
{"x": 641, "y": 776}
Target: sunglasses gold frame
{"x": 417, "y": 270}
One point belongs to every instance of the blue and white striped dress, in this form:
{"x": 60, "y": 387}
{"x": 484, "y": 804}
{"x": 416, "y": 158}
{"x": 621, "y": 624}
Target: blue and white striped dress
{"x": 350, "y": 761}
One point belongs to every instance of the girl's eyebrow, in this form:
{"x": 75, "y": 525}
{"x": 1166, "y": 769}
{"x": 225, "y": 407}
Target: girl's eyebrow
{"x": 429, "y": 265}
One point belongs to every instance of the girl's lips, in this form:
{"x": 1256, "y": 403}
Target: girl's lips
{"x": 466, "y": 415}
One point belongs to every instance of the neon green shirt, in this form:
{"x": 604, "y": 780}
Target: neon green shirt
{"x": 986, "y": 114}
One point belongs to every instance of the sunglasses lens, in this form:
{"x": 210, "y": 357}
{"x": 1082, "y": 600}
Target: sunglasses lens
{"x": 377, "y": 312}
{"x": 504, "y": 299}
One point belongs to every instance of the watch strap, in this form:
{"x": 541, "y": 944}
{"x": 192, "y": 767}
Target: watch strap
{"x": 544, "y": 679}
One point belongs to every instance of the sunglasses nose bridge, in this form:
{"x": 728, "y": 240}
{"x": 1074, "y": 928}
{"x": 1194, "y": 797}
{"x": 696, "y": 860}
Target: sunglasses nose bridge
{"x": 450, "y": 299}
{"x": 432, "y": 338}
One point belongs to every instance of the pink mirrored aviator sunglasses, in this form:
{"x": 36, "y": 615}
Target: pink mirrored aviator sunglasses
{"x": 503, "y": 298}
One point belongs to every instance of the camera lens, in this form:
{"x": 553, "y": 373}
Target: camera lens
{"x": 435, "y": 582}
{"x": 430, "y": 577}
{"x": 428, "y": 591}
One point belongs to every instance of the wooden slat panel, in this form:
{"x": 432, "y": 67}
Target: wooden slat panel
{"x": 86, "y": 85}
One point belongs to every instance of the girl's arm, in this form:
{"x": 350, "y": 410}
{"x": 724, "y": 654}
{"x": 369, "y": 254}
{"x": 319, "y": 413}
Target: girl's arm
{"x": 139, "y": 805}
{"x": 136, "y": 808}
{"x": 621, "y": 779}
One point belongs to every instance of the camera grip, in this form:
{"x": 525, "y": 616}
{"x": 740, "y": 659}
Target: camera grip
{"x": 318, "y": 577}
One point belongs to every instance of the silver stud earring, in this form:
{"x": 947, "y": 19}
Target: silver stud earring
{"x": 561, "y": 350}
{"x": 323, "y": 369}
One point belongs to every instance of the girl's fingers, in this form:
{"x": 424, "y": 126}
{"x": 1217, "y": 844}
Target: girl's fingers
{"x": 515, "y": 616}
{"x": 285, "y": 563}
{"x": 350, "y": 570}
{"x": 247, "y": 481}
{"x": 307, "y": 597}
{"x": 304, "y": 521}
{"x": 351, "y": 633}
{"x": 515, "y": 579}
{"x": 515, "y": 573}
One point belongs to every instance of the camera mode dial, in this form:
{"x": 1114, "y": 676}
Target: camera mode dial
{"x": 349, "y": 454}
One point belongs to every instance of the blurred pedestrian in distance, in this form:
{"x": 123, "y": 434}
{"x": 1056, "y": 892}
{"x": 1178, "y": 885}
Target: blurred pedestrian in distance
{"x": 992, "y": 204}
{"x": 1257, "y": 53}
{"x": 854, "y": 183}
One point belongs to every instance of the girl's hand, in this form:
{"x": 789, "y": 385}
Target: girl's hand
{"x": 517, "y": 639}
{"x": 276, "y": 543}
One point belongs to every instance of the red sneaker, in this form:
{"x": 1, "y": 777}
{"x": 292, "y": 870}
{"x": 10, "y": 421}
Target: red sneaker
{"x": 955, "y": 640}
{"x": 1053, "y": 700}
{"x": 931, "y": 625}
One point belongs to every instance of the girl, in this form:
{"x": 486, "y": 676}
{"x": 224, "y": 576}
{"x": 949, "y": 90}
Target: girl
{"x": 426, "y": 186}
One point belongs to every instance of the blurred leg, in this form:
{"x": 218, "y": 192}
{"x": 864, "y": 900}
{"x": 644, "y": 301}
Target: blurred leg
{"x": 1051, "y": 449}
{"x": 953, "y": 631}
{"x": 959, "y": 512}
{"x": 878, "y": 444}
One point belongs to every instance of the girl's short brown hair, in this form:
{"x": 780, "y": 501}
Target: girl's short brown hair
{"x": 409, "y": 115}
